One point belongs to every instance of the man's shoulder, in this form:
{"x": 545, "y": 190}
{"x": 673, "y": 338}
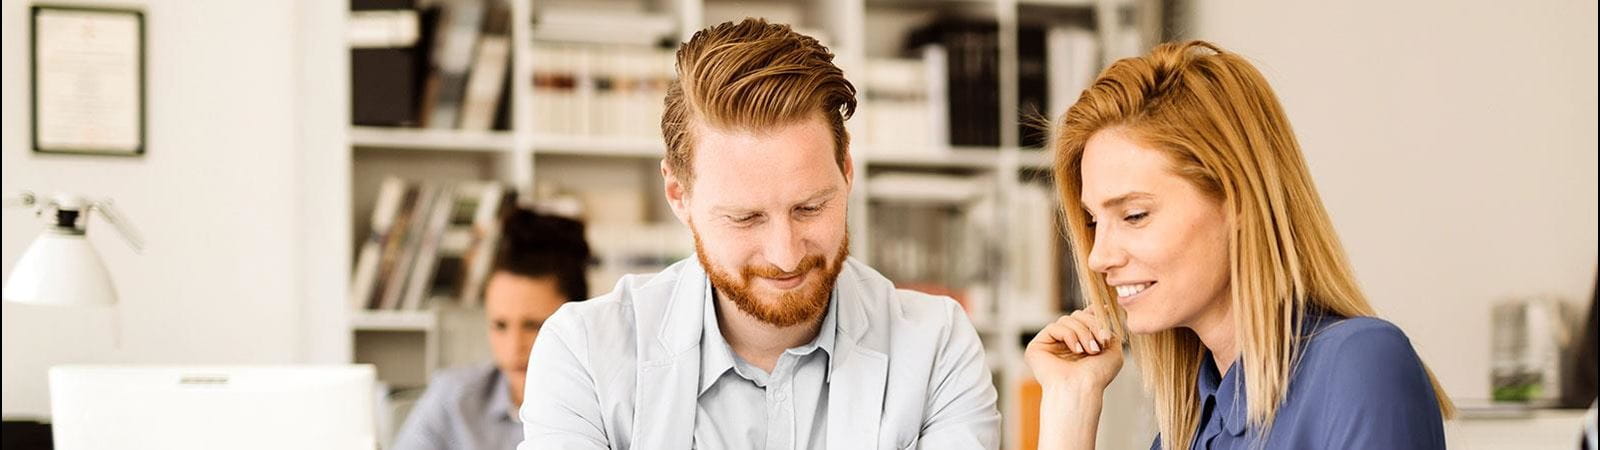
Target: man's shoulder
{"x": 922, "y": 310}
{"x": 613, "y": 309}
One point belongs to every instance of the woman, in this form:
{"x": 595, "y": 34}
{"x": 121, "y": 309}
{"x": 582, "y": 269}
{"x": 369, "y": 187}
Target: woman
{"x": 538, "y": 266}
{"x": 1198, "y": 231}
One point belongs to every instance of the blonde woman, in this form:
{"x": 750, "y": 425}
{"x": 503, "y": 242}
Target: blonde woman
{"x": 1200, "y": 237}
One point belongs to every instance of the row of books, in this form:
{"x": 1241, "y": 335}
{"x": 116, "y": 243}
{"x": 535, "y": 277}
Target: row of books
{"x": 595, "y": 89}
{"x": 1054, "y": 65}
{"x": 594, "y": 75}
{"x": 948, "y": 94}
{"x": 428, "y": 240}
{"x": 446, "y": 66}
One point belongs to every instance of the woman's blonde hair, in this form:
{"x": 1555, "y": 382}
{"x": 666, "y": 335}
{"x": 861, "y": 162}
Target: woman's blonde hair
{"x": 1221, "y": 126}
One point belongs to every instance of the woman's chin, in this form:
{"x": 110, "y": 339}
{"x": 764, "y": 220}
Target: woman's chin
{"x": 1138, "y": 324}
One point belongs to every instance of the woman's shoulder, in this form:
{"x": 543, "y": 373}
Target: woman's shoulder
{"x": 1341, "y": 340}
{"x": 1336, "y": 330}
{"x": 1365, "y": 351}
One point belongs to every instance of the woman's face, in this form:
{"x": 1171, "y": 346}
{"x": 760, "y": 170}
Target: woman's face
{"x": 516, "y": 307}
{"x": 1158, "y": 240}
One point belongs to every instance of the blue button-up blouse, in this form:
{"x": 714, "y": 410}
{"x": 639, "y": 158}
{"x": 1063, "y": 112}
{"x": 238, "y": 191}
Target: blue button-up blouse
{"x": 1359, "y": 384}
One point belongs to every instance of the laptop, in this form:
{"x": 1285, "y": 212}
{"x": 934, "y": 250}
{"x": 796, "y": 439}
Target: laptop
{"x": 166, "y": 407}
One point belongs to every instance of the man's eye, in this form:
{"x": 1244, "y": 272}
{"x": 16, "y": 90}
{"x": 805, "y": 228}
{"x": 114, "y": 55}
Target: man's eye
{"x": 744, "y": 219}
{"x": 813, "y": 209}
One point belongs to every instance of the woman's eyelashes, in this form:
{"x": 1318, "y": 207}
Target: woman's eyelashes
{"x": 1135, "y": 217}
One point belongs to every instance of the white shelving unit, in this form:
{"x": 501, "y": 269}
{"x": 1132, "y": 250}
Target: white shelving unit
{"x": 526, "y": 159}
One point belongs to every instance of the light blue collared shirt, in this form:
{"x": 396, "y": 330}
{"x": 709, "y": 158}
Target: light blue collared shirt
{"x": 623, "y": 371}
{"x": 742, "y": 406}
{"x": 466, "y": 408}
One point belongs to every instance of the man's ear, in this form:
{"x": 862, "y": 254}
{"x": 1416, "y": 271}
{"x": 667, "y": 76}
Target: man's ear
{"x": 677, "y": 193}
{"x": 849, "y": 172}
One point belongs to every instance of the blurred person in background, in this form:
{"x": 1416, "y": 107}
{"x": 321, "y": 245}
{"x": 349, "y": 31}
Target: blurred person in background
{"x": 538, "y": 266}
{"x": 1199, "y": 235}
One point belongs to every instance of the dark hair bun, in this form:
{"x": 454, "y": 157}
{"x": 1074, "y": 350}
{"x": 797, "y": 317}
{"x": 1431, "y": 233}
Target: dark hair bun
{"x": 539, "y": 245}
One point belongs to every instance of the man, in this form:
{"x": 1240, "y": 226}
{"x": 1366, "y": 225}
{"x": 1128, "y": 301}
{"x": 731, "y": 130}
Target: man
{"x": 538, "y": 266}
{"x": 771, "y": 337}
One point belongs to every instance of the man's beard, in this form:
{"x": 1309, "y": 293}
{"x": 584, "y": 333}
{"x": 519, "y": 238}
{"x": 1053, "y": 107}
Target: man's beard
{"x": 805, "y": 302}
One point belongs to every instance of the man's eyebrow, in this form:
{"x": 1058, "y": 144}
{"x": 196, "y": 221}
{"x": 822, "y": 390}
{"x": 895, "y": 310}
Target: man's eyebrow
{"x": 737, "y": 210}
{"x": 825, "y": 192}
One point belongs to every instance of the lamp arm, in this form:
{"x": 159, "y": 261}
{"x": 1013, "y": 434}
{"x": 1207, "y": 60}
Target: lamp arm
{"x": 130, "y": 234}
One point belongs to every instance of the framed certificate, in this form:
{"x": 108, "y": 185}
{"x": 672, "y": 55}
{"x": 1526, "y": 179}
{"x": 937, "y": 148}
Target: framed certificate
{"x": 88, "y": 80}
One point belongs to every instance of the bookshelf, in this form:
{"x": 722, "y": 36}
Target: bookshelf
{"x": 562, "y": 145}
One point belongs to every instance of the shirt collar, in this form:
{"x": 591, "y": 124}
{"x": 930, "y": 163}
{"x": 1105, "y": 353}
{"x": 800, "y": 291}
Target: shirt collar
{"x": 1230, "y": 401}
{"x": 1231, "y": 405}
{"x": 716, "y": 357}
{"x": 500, "y": 397}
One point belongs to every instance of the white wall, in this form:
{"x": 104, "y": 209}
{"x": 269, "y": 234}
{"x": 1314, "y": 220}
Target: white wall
{"x": 1454, "y": 144}
{"x": 240, "y": 198}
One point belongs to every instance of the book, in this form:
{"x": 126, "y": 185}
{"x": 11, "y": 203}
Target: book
{"x": 487, "y": 77}
{"x": 609, "y": 26}
{"x": 1033, "y": 87}
{"x": 420, "y": 284}
{"x": 1073, "y": 57}
{"x": 493, "y": 200}
{"x": 364, "y": 279}
{"x": 386, "y": 67}
{"x": 451, "y": 56}
{"x": 393, "y": 242}
{"x": 599, "y": 90}
{"x": 972, "y": 50}
{"x": 896, "y": 108}
{"x": 416, "y": 228}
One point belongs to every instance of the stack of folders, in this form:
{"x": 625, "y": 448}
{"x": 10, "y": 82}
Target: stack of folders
{"x": 898, "y": 111}
{"x": 442, "y": 67}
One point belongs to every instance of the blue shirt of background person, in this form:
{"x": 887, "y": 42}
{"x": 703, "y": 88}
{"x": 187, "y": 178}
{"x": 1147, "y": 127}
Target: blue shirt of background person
{"x": 538, "y": 266}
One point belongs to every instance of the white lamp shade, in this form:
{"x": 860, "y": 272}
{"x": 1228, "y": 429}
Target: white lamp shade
{"x": 60, "y": 269}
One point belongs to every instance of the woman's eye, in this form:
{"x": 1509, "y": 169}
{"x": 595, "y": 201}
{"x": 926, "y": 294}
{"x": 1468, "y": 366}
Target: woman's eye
{"x": 1136, "y": 217}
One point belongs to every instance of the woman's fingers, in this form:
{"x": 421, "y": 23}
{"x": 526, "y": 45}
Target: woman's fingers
{"x": 1091, "y": 318}
{"x": 1057, "y": 339}
{"x": 1086, "y": 341}
{"x": 1083, "y": 331}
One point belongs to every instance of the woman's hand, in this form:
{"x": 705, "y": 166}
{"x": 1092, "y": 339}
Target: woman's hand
{"x": 1074, "y": 360}
{"x": 1075, "y": 352}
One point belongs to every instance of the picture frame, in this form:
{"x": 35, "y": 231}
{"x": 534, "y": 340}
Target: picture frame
{"x": 87, "y": 71}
